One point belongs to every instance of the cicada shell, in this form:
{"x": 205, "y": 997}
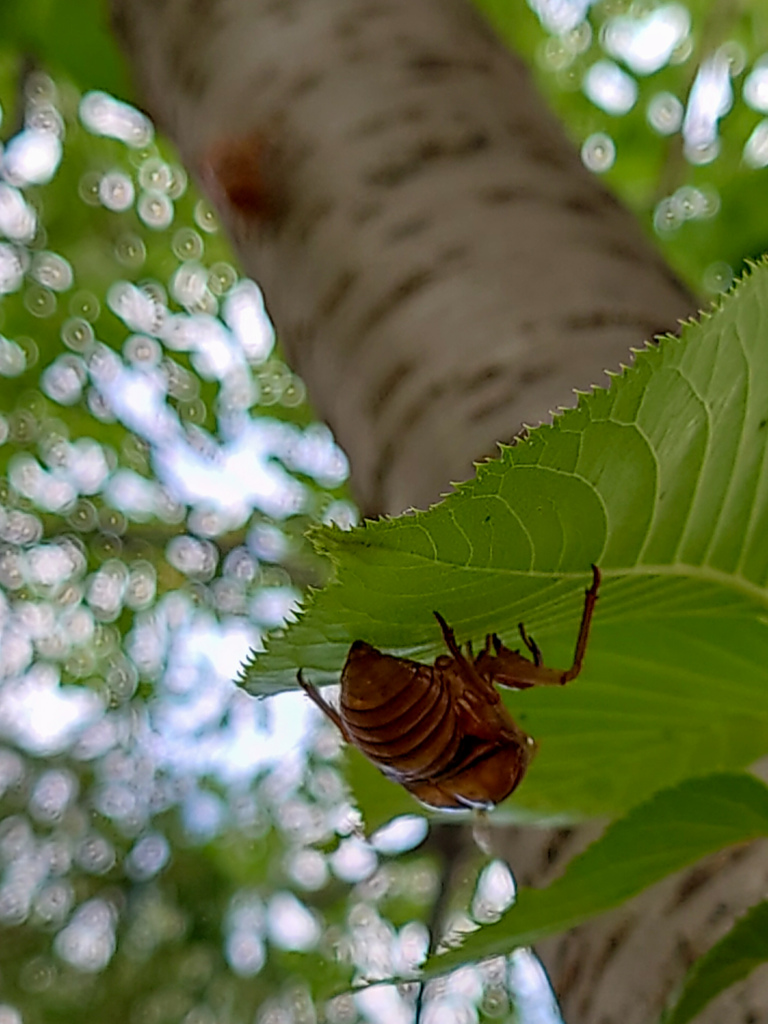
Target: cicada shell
{"x": 442, "y": 730}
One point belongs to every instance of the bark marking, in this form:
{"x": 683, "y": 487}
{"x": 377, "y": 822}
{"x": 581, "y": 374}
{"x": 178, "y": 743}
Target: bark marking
{"x": 245, "y": 174}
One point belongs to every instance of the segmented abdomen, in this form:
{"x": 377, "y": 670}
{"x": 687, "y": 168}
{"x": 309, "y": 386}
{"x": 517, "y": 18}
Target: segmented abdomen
{"x": 400, "y": 714}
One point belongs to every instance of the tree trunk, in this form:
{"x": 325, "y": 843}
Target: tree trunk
{"x": 440, "y": 267}
{"x": 441, "y": 270}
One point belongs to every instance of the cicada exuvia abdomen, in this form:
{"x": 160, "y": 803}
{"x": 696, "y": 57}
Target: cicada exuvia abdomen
{"x": 442, "y": 730}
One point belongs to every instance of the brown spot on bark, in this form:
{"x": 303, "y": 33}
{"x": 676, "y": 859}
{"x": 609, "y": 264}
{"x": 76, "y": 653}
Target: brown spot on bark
{"x": 245, "y": 173}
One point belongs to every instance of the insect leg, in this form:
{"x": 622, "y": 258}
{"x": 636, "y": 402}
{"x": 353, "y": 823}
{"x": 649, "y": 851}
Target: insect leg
{"x": 449, "y": 636}
{"x": 468, "y": 669}
{"x": 590, "y": 599}
{"x": 513, "y": 669}
{"x": 532, "y": 646}
{"x": 314, "y": 695}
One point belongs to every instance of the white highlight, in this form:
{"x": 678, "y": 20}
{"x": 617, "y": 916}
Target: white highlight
{"x": 710, "y": 99}
{"x": 104, "y": 115}
{"x": 610, "y": 88}
{"x": 646, "y": 44}
{"x": 756, "y": 86}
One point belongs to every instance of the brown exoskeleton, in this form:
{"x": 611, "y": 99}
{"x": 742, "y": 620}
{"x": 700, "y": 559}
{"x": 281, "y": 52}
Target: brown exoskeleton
{"x": 442, "y": 730}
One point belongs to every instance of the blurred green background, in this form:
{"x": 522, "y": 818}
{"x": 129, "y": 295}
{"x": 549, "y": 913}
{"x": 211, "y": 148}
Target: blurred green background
{"x": 171, "y": 850}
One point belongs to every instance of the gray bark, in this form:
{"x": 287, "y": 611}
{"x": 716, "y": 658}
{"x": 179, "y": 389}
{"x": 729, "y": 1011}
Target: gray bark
{"x": 441, "y": 270}
{"x": 624, "y": 967}
{"x": 440, "y": 267}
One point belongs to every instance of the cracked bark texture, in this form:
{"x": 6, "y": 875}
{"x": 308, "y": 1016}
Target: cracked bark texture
{"x": 441, "y": 270}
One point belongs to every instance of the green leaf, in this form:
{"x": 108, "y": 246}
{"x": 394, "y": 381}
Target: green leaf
{"x": 674, "y": 829}
{"x": 743, "y": 949}
{"x": 662, "y": 481}
{"x": 81, "y": 46}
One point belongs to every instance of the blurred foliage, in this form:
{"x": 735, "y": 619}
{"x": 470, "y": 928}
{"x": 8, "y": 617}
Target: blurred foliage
{"x": 157, "y": 865}
{"x": 166, "y": 856}
{"x": 82, "y": 48}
